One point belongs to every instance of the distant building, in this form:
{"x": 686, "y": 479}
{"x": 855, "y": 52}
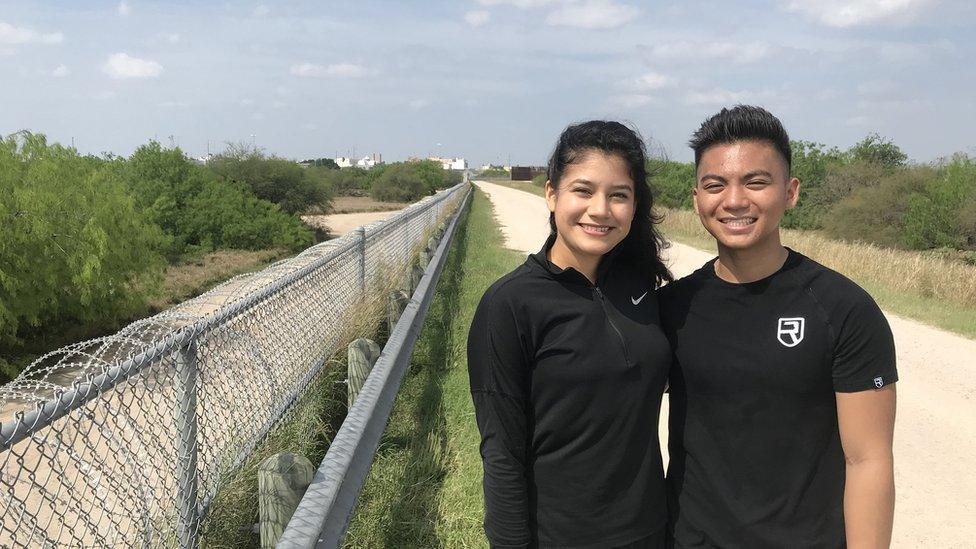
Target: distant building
{"x": 450, "y": 163}
{"x": 487, "y": 167}
{"x": 526, "y": 173}
{"x": 365, "y": 162}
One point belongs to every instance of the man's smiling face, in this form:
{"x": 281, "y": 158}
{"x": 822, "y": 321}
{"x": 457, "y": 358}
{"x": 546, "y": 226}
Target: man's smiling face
{"x": 742, "y": 192}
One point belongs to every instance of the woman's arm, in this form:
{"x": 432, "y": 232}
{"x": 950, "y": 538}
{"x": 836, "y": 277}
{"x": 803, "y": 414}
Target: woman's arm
{"x": 499, "y": 388}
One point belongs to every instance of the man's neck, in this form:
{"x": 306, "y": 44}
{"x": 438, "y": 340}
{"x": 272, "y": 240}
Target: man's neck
{"x": 742, "y": 266}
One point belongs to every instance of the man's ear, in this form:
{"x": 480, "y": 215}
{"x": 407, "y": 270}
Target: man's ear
{"x": 792, "y": 193}
{"x": 694, "y": 198}
{"x": 550, "y": 196}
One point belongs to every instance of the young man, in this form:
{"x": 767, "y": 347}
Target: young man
{"x": 782, "y": 390}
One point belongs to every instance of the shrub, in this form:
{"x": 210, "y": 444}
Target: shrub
{"x": 75, "y": 247}
{"x": 198, "y": 210}
{"x": 671, "y": 182}
{"x": 399, "y": 183}
{"x": 286, "y": 183}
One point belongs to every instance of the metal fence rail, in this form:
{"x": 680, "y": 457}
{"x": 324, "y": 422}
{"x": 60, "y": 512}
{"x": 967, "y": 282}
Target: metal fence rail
{"x": 125, "y": 440}
{"x": 323, "y": 514}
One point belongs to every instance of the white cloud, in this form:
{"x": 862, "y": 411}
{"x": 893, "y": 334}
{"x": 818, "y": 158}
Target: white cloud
{"x": 121, "y": 66}
{"x": 340, "y": 70}
{"x": 260, "y": 11}
{"x": 749, "y": 52}
{"x": 124, "y": 9}
{"x": 174, "y": 104}
{"x": 477, "y": 18}
{"x": 418, "y": 104}
{"x": 851, "y": 13}
{"x": 171, "y": 37}
{"x": 521, "y": 4}
{"x": 631, "y": 100}
{"x": 857, "y": 121}
{"x": 12, "y": 35}
{"x": 245, "y": 102}
{"x": 650, "y": 81}
{"x": 60, "y": 71}
{"x": 593, "y": 14}
{"x": 719, "y": 96}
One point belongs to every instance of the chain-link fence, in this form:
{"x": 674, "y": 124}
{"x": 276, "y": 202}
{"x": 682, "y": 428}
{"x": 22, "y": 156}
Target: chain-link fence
{"x": 125, "y": 440}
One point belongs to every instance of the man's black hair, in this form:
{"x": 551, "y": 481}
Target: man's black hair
{"x": 742, "y": 123}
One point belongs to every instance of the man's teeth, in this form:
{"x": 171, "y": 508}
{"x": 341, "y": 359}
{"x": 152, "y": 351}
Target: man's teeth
{"x": 741, "y": 222}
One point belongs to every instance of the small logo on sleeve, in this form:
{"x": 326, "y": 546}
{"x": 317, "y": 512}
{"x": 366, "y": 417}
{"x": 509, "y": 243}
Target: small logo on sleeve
{"x": 789, "y": 331}
{"x": 879, "y": 382}
{"x": 637, "y": 300}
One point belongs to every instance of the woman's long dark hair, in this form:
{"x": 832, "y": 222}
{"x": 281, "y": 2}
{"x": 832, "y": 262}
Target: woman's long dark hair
{"x": 643, "y": 244}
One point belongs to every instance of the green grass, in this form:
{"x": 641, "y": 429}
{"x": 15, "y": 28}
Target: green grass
{"x": 424, "y": 488}
{"x": 308, "y": 430}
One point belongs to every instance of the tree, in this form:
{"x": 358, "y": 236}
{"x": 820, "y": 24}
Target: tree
{"x": 399, "y": 183}
{"x": 277, "y": 180}
{"x": 878, "y": 150}
{"x": 75, "y": 246}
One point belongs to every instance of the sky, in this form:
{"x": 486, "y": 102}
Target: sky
{"x": 489, "y": 80}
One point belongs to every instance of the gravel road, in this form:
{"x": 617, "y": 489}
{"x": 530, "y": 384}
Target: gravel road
{"x": 935, "y": 434}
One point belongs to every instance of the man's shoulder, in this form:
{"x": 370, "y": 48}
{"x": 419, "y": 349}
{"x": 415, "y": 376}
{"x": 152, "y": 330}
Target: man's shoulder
{"x": 687, "y": 285}
{"x": 828, "y": 286}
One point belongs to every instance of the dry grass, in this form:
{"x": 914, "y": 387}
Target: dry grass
{"x": 926, "y": 286}
{"x": 926, "y": 274}
{"x": 359, "y": 204}
{"x": 193, "y": 277}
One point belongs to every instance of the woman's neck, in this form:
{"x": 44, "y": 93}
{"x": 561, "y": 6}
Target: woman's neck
{"x": 563, "y": 257}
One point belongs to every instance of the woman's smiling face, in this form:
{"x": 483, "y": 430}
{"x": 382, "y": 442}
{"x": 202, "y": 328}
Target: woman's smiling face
{"x": 593, "y": 206}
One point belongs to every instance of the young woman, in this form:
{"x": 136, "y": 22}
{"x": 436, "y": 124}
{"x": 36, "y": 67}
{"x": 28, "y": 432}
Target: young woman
{"x": 568, "y": 362}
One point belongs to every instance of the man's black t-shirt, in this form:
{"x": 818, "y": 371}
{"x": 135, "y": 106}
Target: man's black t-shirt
{"x": 567, "y": 378}
{"x": 756, "y": 457}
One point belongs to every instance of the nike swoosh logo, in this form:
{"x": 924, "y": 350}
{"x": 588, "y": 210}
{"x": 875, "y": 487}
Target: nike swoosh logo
{"x": 637, "y": 300}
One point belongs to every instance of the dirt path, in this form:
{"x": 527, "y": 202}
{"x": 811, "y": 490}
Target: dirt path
{"x": 339, "y": 224}
{"x": 935, "y": 435}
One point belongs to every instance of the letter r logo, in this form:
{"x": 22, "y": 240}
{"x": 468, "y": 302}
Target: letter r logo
{"x": 789, "y": 332}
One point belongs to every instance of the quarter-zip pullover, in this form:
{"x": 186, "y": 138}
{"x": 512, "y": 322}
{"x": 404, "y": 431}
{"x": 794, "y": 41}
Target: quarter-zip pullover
{"x": 567, "y": 378}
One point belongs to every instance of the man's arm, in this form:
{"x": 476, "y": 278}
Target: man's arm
{"x": 867, "y": 421}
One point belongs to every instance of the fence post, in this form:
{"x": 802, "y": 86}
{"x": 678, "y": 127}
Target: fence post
{"x": 395, "y": 305}
{"x": 362, "y": 260}
{"x": 282, "y": 481}
{"x": 361, "y": 356}
{"x": 186, "y": 446}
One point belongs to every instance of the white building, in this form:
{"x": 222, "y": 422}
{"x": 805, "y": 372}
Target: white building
{"x": 451, "y": 163}
{"x": 365, "y": 162}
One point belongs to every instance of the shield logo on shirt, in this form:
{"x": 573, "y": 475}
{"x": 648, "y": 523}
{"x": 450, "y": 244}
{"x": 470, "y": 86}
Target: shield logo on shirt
{"x": 789, "y": 332}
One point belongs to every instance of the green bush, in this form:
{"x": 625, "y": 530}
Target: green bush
{"x": 286, "y": 183}
{"x": 671, "y": 182}
{"x": 812, "y": 163}
{"x": 494, "y": 173}
{"x": 75, "y": 247}
{"x": 199, "y": 211}
{"x": 349, "y": 181}
{"x": 399, "y": 183}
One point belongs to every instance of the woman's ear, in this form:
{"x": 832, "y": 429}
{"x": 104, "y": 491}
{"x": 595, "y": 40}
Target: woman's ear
{"x": 550, "y": 196}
